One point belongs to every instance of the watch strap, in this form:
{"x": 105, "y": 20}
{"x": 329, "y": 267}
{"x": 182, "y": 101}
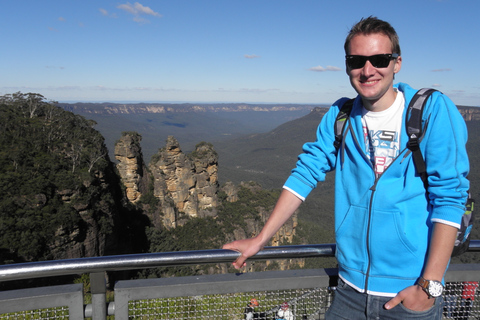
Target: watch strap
{"x": 425, "y": 285}
{"x": 422, "y": 282}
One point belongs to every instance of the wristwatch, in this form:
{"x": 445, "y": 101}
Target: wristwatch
{"x": 432, "y": 288}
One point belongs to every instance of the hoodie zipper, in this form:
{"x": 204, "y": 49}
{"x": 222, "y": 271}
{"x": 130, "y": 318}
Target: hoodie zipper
{"x": 373, "y": 188}
{"x": 367, "y": 242}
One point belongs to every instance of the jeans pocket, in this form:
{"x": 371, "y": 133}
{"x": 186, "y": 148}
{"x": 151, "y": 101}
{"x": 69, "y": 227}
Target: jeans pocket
{"x": 432, "y": 313}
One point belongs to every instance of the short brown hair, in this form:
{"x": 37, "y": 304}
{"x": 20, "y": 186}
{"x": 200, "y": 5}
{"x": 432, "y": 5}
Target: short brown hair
{"x": 372, "y": 25}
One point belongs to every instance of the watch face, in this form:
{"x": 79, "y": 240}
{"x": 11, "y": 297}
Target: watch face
{"x": 435, "y": 288}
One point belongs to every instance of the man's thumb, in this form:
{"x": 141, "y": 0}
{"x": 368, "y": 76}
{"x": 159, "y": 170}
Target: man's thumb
{"x": 392, "y": 303}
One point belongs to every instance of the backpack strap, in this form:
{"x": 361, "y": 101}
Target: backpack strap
{"x": 415, "y": 133}
{"x": 415, "y": 130}
{"x": 341, "y": 120}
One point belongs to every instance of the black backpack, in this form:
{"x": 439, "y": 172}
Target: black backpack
{"x": 415, "y": 132}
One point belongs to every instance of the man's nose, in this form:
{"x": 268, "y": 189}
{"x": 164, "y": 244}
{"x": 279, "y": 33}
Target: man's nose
{"x": 368, "y": 68}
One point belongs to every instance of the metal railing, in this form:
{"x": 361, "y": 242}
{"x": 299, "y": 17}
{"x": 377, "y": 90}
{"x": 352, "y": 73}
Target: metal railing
{"x": 308, "y": 291}
{"x": 42, "y": 269}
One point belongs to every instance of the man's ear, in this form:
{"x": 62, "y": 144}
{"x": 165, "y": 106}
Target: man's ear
{"x": 398, "y": 64}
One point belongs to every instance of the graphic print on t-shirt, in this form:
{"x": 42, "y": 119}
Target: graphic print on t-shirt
{"x": 383, "y": 148}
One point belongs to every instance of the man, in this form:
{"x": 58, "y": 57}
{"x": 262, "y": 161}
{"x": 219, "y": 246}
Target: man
{"x": 394, "y": 239}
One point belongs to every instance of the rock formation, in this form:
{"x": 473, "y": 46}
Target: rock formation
{"x": 186, "y": 186}
{"x": 131, "y": 166}
{"x": 231, "y": 191}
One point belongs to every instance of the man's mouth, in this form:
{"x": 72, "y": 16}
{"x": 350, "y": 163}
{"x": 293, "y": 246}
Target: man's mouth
{"x": 370, "y": 82}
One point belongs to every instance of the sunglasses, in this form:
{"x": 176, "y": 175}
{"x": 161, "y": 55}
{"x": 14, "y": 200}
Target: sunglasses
{"x": 378, "y": 60}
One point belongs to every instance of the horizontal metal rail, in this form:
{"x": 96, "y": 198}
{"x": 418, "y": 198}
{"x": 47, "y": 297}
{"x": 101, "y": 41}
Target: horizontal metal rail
{"x": 152, "y": 260}
{"x": 162, "y": 259}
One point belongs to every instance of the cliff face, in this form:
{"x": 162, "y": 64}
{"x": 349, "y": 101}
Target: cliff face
{"x": 93, "y": 234}
{"x": 138, "y": 108}
{"x": 469, "y": 113}
{"x": 60, "y": 196}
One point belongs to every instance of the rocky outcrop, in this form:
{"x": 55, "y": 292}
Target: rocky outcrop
{"x": 94, "y": 233}
{"x": 187, "y": 184}
{"x": 231, "y": 191}
{"x": 131, "y": 166}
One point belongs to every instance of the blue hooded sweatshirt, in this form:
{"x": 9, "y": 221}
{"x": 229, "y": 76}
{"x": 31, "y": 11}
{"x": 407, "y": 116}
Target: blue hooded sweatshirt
{"x": 383, "y": 225}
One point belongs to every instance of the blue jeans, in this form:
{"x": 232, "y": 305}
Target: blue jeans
{"x": 349, "y": 304}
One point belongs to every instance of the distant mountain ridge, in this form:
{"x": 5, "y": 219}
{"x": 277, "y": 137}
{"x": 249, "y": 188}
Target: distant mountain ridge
{"x": 188, "y": 123}
{"x": 115, "y": 108}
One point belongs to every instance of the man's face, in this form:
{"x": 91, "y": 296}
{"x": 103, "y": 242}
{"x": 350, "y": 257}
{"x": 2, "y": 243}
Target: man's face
{"x": 374, "y": 85}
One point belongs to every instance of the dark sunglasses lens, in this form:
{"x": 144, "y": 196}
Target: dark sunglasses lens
{"x": 356, "y": 62}
{"x": 380, "y": 61}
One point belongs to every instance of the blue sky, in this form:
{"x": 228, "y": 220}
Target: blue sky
{"x": 279, "y": 51}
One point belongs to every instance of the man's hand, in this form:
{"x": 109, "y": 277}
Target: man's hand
{"x": 247, "y": 248}
{"x": 413, "y": 298}
{"x": 286, "y": 205}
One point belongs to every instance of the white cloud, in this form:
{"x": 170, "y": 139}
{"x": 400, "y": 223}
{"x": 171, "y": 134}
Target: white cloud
{"x": 140, "y": 19}
{"x": 106, "y": 13}
{"x": 251, "y": 56}
{"x": 322, "y": 69}
{"x": 137, "y": 10}
{"x": 442, "y": 70}
{"x": 54, "y": 67}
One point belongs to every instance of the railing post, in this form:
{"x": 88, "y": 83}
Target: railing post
{"x": 99, "y": 299}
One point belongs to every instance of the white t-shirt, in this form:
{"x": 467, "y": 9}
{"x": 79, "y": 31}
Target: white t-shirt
{"x": 381, "y": 131}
